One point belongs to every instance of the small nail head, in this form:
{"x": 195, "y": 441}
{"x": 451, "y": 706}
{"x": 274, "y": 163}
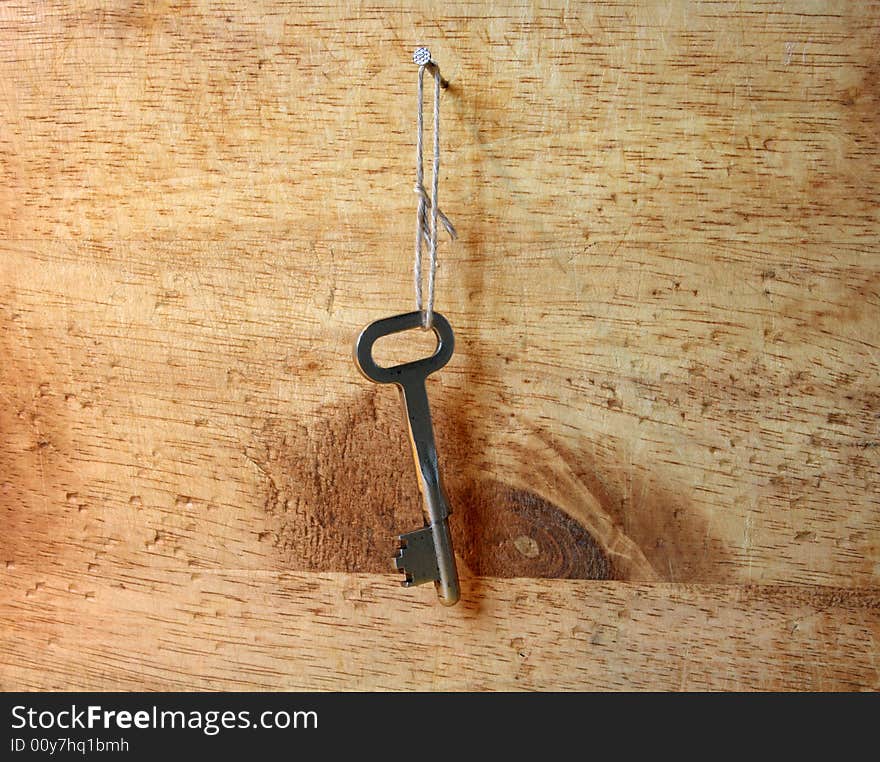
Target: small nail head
{"x": 422, "y": 56}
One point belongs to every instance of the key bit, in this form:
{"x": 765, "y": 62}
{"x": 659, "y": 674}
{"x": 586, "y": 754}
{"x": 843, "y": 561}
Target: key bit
{"x": 416, "y": 557}
{"x": 426, "y": 554}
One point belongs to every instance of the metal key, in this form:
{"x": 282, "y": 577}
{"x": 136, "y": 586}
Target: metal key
{"x": 425, "y": 555}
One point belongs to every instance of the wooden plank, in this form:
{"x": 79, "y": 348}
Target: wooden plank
{"x": 644, "y": 121}
{"x": 331, "y": 631}
{"x": 721, "y": 436}
{"x": 666, "y": 293}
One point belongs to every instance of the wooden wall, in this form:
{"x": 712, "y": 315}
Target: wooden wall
{"x": 660, "y": 427}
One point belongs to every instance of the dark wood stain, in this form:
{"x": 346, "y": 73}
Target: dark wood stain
{"x": 340, "y": 487}
{"x": 506, "y": 532}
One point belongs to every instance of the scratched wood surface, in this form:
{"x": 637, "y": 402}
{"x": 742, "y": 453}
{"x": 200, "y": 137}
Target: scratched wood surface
{"x": 659, "y": 431}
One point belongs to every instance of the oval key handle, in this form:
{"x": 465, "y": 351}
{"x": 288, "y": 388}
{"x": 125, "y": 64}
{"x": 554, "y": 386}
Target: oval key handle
{"x": 363, "y": 348}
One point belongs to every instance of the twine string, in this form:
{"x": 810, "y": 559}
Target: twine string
{"x": 426, "y": 225}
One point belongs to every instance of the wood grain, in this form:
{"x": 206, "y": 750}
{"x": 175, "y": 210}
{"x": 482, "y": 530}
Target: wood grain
{"x": 663, "y": 402}
{"x": 265, "y": 630}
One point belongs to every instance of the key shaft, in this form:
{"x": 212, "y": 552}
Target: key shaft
{"x": 421, "y": 434}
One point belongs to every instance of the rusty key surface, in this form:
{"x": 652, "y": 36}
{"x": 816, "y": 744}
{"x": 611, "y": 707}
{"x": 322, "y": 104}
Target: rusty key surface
{"x": 425, "y": 554}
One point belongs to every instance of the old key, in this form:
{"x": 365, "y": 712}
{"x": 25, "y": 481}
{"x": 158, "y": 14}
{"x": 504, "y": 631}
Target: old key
{"x": 426, "y": 554}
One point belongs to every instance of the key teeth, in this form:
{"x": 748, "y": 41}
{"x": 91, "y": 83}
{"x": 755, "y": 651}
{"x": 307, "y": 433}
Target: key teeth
{"x": 400, "y": 555}
{"x": 400, "y": 565}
